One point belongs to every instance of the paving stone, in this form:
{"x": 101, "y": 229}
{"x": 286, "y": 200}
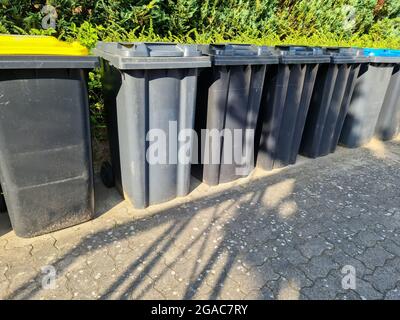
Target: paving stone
{"x": 270, "y": 290}
{"x": 391, "y": 247}
{"x": 394, "y": 263}
{"x": 119, "y": 247}
{"x": 350, "y": 247}
{"x": 324, "y": 288}
{"x": 250, "y": 280}
{"x": 152, "y": 295}
{"x": 3, "y": 269}
{"x": 374, "y": 257}
{"x": 368, "y": 238}
{"x": 319, "y": 267}
{"x": 257, "y": 256}
{"x": 17, "y": 256}
{"x": 366, "y": 291}
{"x": 293, "y": 255}
{"x": 69, "y": 262}
{"x": 44, "y": 252}
{"x": 170, "y": 287}
{"x": 286, "y": 289}
{"x": 135, "y": 288}
{"x": 295, "y": 274}
{"x": 348, "y": 295}
{"x": 82, "y": 285}
{"x": 101, "y": 262}
{"x": 383, "y": 278}
{"x": 24, "y": 280}
{"x": 393, "y": 294}
{"x": 315, "y": 247}
{"x": 254, "y": 295}
{"x": 199, "y": 290}
{"x": 230, "y": 290}
{"x": 60, "y": 290}
{"x": 266, "y": 273}
{"x": 4, "y": 284}
{"x": 343, "y": 260}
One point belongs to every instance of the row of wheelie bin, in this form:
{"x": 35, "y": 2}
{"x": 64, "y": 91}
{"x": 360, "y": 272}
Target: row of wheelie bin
{"x": 176, "y": 110}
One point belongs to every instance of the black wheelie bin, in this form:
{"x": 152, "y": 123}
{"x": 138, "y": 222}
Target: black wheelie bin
{"x": 45, "y": 147}
{"x": 388, "y": 125}
{"x": 284, "y": 106}
{"x": 330, "y": 101}
{"x": 368, "y": 98}
{"x": 149, "y": 89}
{"x": 228, "y": 99}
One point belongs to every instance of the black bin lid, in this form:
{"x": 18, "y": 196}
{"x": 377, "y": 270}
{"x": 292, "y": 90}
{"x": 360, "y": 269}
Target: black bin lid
{"x": 301, "y": 54}
{"x": 342, "y": 55}
{"x": 155, "y": 55}
{"x": 240, "y": 54}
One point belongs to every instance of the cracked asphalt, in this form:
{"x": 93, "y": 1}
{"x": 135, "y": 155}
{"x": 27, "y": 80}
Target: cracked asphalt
{"x": 287, "y": 234}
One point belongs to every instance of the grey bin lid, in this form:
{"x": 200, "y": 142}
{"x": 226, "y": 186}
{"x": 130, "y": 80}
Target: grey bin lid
{"x": 157, "y": 55}
{"x": 341, "y": 55}
{"x": 48, "y": 62}
{"x": 240, "y": 54}
{"x": 302, "y": 54}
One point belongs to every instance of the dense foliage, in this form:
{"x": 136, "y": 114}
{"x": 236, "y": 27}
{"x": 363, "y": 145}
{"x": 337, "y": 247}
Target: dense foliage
{"x": 368, "y": 23}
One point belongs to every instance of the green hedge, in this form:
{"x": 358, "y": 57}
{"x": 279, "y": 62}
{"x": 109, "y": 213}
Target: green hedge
{"x": 364, "y": 23}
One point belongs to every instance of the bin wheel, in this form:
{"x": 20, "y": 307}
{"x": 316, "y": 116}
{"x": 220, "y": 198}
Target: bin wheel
{"x": 107, "y": 175}
{"x": 3, "y": 207}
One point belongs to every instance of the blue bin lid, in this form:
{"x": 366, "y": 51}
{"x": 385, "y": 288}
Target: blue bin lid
{"x": 381, "y": 52}
{"x": 383, "y": 55}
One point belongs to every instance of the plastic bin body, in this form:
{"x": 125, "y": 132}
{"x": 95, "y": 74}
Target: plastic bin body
{"x": 286, "y": 99}
{"x": 146, "y": 87}
{"x": 3, "y": 206}
{"x": 368, "y": 98}
{"x": 330, "y": 101}
{"x": 228, "y": 100}
{"x": 388, "y": 125}
{"x": 45, "y": 151}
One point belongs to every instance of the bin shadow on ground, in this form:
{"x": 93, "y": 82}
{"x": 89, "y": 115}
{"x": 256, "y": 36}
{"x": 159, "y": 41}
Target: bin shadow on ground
{"x": 218, "y": 246}
{"x": 179, "y": 233}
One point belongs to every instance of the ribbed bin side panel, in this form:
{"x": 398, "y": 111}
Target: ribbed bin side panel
{"x": 132, "y": 116}
{"x": 187, "y": 110}
{"x": 270, "y": 116}
{"x": 112, "y": 81}
{"x": 331, "y": 115}
{"x": 366, "y": 104}
{"x": 233, "y": 100}
{"x": 152, "y": 107}
{"x": 348, "y": 93}
{"x": 3, "y": 206}
{"x": 285, "y": 104}
{"x": 329, "y": 105}
{"x": 163, "y": 107}
{"x": 308, "y": 86}
{"x": 210, "y": 113}
{"x": 388, "y": 125}
{"x": 45, "y": 152}
{"x": 319, "y": 109}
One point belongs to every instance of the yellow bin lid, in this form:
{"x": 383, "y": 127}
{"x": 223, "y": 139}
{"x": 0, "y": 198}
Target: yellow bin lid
{"x": 39, "y": 45}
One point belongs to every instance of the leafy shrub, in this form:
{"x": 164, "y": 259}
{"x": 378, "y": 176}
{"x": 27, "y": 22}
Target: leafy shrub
{"x": 364, "y": 23}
